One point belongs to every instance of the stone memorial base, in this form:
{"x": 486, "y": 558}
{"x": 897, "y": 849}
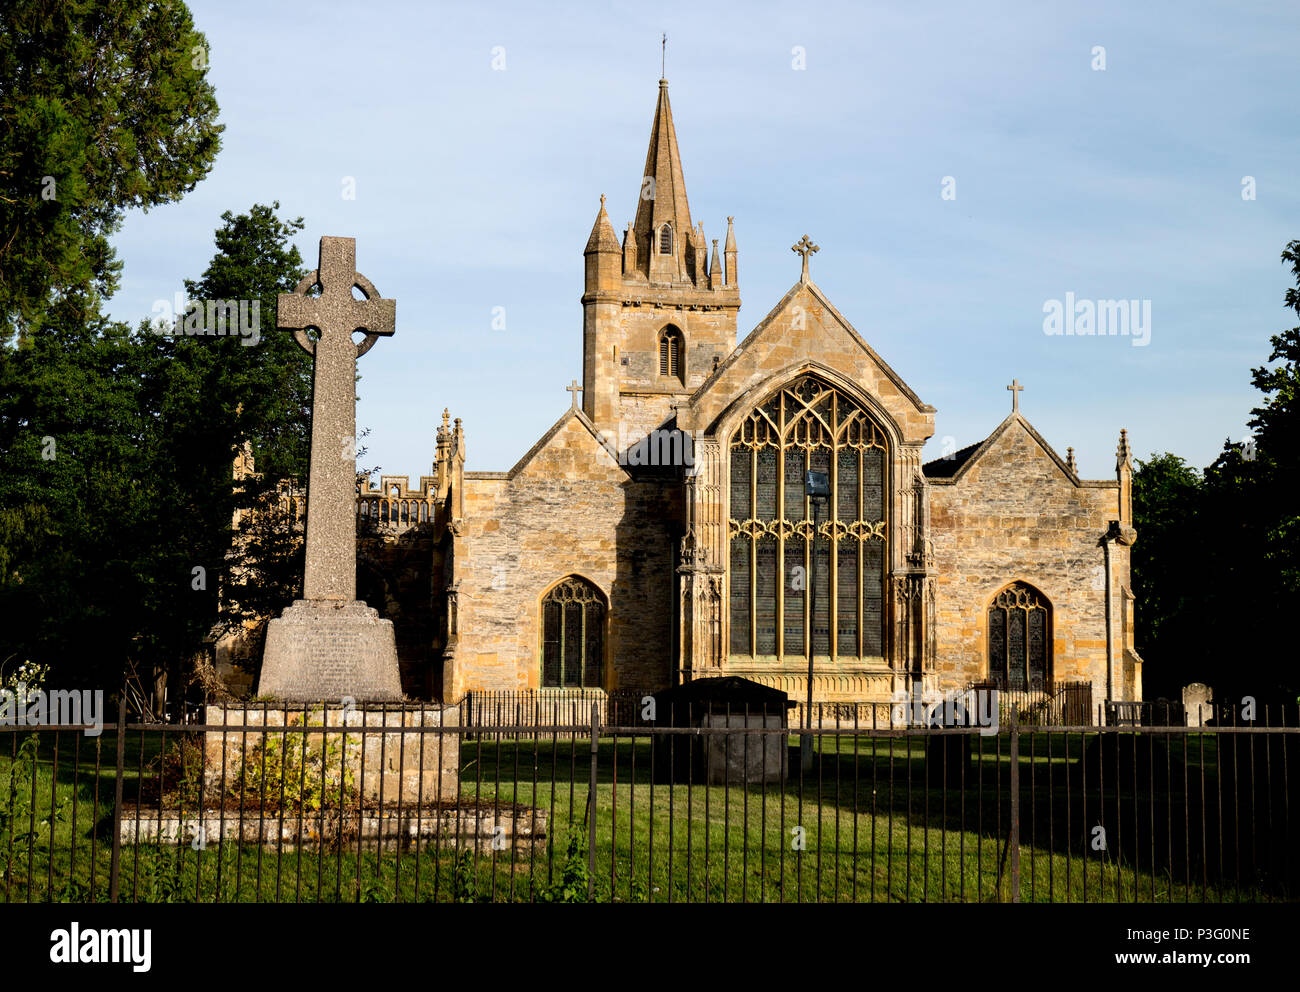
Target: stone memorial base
{"x": 389, "y": 829}
{"x": 327, "y": 650}
{"x": 383, "y": 757}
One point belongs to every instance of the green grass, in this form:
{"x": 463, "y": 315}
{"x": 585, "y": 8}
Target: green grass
{"x": 872, "y": 829}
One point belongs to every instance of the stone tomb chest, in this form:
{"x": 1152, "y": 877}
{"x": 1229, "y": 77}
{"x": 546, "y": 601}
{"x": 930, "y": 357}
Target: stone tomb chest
{"x": 719, "y": 758}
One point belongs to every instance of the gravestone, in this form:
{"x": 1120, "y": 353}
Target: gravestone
{"x": 329, "y": 645}
{"x": 1163, "y": 713}
{"x": 1198, "y": 704}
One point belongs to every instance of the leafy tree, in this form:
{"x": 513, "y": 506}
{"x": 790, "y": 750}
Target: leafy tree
{"x": 1166, "y": 504}
{"x": 1248, "y": 534}
{"x": 216, "y": 394}
{"x": 117, "y": 493}
{"x": 75, "y": 493}
{"x": 1276, "y": 461}
{"x": 1237, "y": 611}
{"x": 271, "y": 381}
{"x": 225, "y": 393}
{"x": 107, "y": 106}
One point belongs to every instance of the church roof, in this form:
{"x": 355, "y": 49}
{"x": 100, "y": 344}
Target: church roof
{"x": 945, "y": 471}
{"x": 663, "y": 164}
{"x": 949, "y": 465}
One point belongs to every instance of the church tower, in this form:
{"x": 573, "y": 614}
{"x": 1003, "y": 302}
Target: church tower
{"x": 659, "y": 310}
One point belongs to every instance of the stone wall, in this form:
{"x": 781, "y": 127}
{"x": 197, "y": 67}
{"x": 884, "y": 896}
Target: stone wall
{"x": 396, "y": 570}
{"x": 1016, "y": 513}
{"x": 567, "y": 509}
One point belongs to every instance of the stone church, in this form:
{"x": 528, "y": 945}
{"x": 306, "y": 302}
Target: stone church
{"x": 659, "y": 531}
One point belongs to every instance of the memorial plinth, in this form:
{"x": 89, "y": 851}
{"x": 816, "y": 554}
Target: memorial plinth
{"x": 326, "y": 650}
{"x": 386, "y": 755}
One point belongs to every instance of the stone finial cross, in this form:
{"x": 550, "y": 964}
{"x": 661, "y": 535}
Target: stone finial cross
{"x": 331, "y": 569}
{"x": 575, "y": 389}
{"x": 1016, "y": 390}
{"x": 804, "y": 248}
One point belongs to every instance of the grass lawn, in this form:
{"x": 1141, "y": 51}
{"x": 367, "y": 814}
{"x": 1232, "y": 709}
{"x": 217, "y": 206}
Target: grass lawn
{"x": 865, "y": 825}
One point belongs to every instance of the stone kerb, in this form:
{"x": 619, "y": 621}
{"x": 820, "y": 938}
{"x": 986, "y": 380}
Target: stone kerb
{"x": 382, "y": 763}
{"x": 387, "y": 829}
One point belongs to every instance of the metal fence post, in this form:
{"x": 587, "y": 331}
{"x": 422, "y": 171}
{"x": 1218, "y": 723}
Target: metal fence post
{"x": 1014, "y": 840}
{"x": 115, "y": 856}
{"x": 591, "y": 805}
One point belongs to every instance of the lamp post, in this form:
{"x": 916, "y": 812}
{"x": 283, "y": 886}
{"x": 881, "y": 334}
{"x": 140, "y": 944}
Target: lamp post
{"x": 817, "y": 487}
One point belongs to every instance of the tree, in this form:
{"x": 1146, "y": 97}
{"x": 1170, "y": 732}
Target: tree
{"x": 76, "y": 495}
{"x": 1218, "y": 563}
{"x": 1166, "y": 504}
{"x": 269, "y": 382}
{"x": 1248, "y": 528}
{"x": 264, "y": 392}
{"x": 117, "y": 490}
{"x": 1276, "y": 459}
{"x": 107, "y": 106}
{"x": 217, "y": 395}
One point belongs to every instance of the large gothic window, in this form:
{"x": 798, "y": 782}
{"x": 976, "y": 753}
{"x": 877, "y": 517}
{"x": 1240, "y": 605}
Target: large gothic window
{"x": 573, "y": 635}
{"x": 775, "y": 558}
{"x": 1019, "y": 638}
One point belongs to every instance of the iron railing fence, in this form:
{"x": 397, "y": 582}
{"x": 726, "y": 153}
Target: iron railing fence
{"x": 1045, "y": 704}
{"x": 389, "y": 804}
{"x": 551, "y": 707}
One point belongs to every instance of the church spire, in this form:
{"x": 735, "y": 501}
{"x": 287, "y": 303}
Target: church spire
{"x": 1124, "y": 475}
{"x": 656, "y": 288}
{"x": 663, "y": 228}
{"x": 602, "y": 237}
{"x": 729, "y": 249}
{"x": 603, "y": 255}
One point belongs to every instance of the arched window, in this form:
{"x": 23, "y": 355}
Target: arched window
{"x": 670, "y": 354}
{"x": 573, "y": 635}
{"x": 666, "y": 240}
{"x": 808, "y": 425}
{"x": 1019, "y": 638}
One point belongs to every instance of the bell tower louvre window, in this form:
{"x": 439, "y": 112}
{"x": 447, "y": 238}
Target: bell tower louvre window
{"x": 670, "y": 354}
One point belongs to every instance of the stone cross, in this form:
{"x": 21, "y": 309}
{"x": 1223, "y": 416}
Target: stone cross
{"x": 1016, "y": 390}
{"x": 575, "y": 389}
{"x": 804, "y": 248}
{"x": 331, "y": 562}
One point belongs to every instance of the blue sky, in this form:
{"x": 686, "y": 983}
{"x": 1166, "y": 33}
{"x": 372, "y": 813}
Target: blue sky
{"x": 476, "y": 188}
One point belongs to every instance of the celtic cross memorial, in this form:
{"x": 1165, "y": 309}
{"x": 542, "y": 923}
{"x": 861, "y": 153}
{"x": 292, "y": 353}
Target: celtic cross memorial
{"x": 329, "y": 645}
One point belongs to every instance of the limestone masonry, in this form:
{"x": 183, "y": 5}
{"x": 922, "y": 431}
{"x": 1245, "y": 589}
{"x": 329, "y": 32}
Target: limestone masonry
{"x": 659, "y": 532}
